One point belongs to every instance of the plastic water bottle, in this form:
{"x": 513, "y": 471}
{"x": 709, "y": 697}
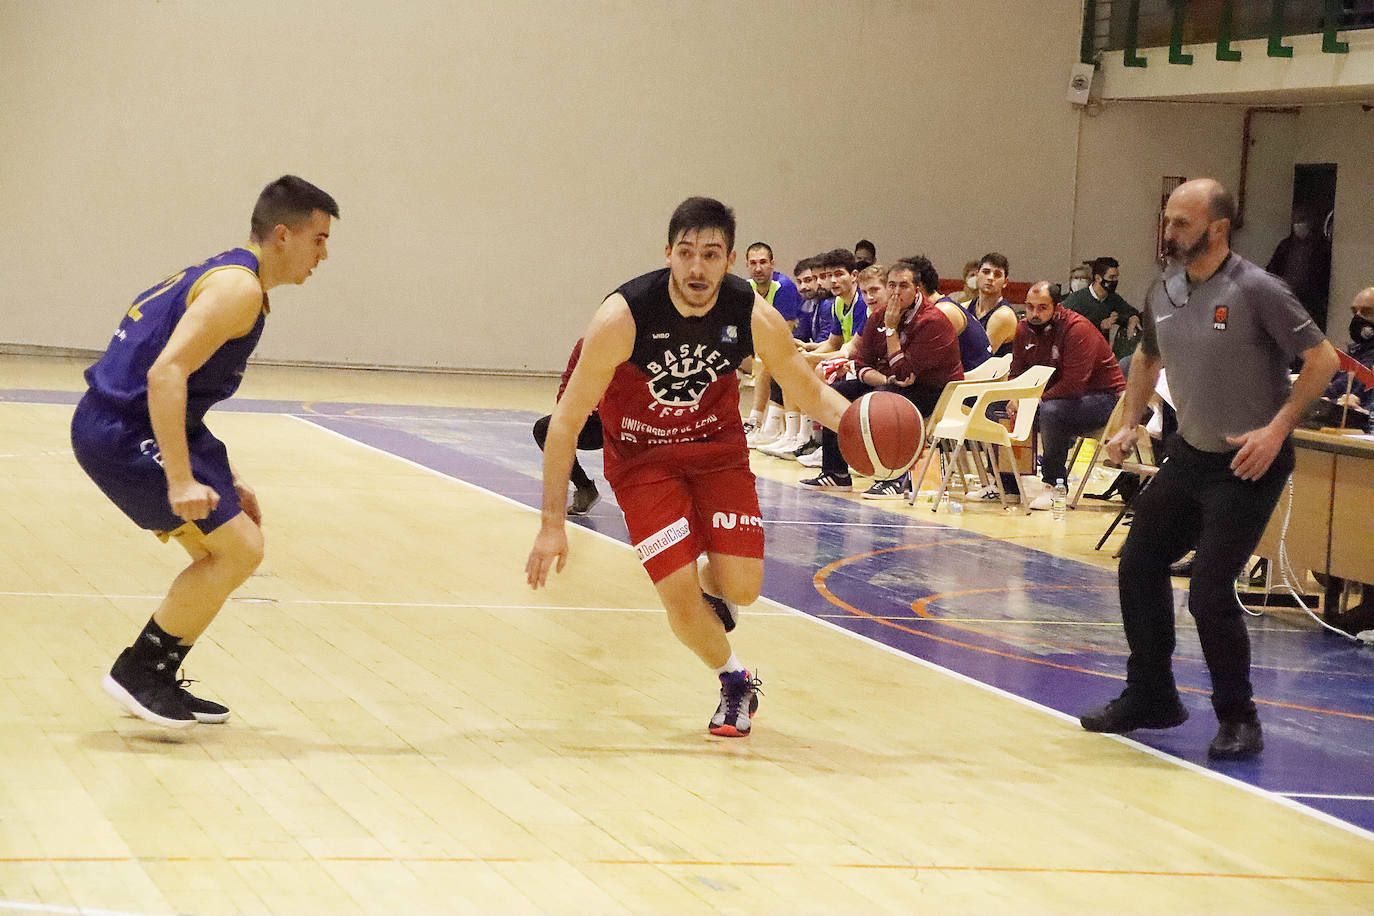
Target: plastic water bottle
{"x": 1061, "y": 500}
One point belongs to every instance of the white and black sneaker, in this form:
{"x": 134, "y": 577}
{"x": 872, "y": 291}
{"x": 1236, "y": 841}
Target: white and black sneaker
{"x": 887, "y": 489}
{"x": 148, "y": 693}
{"x": 207, "y": 712}
{"x": 829, "y": 482}
{"x": 739, "y": 700}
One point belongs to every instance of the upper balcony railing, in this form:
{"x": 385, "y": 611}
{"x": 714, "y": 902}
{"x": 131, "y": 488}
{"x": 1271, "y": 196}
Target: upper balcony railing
{"x": 1130, "y": 25}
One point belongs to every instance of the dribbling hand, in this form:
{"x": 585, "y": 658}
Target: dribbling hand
{"x": 550, "y": 552}
{"x": 192, "y": 501}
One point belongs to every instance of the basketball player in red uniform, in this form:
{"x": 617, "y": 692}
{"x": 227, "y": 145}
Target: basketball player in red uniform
{"x": 659, "y": 360}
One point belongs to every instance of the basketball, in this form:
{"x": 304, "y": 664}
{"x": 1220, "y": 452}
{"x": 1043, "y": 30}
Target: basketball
{"x": 881, "y": 435}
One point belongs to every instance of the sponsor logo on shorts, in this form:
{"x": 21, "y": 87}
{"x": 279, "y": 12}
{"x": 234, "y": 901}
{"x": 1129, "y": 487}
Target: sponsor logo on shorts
{"x": 660, "y": 541}
{"x": 149, "y": 448}
{"x": 730, "y": 520}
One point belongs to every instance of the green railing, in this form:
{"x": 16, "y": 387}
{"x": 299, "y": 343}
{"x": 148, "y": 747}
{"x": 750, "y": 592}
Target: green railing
{"x": 1130, "y": 25}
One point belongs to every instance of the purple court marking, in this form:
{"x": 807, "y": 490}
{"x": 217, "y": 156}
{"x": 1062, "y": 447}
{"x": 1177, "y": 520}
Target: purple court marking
{"x": 1319, "y": 737}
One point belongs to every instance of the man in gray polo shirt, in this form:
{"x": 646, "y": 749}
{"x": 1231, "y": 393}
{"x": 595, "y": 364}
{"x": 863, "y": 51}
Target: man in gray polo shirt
{"x": 1227, "y": 332}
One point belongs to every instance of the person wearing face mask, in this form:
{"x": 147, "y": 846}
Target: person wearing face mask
{"x": 1084, "y": 389}
{"x": 1360, "y": 617}
{"x": 1361, "y": 347}
{"x": 1100, "y": 303}
{"x": 1303, "y": 261}
{"x": 865, "y": 254}
{"x": 970, "y": 290}
{"x": 1080, "y": 277}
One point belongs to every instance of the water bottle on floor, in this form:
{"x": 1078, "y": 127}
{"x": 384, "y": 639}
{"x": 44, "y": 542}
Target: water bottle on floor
{"x": 1061, "y": 500}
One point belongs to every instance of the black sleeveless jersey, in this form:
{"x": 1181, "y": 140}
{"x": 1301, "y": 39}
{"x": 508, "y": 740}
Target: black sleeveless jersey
{"x": 679, "y": 383}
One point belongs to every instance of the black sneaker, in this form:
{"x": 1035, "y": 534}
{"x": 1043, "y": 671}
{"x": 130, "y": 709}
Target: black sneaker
{"x": 148, "y": 693}
{"x": 829, "y": 482}
{"x": 887, "y": 489}
{"x": 1125, "y": 715}
{"x": 1236, "y": 741}
{"x": 806, "y": 448}
{"x": 206, "y": 711}
{"x": 739, "y": 700}
{"x": 583, "y": 500}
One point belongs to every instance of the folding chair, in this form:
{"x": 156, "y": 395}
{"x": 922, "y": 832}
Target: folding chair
{"x": 1098, "y": 438}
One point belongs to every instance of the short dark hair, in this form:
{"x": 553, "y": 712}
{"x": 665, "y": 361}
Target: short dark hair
{"x": 996, "y": 259}
{"x": 702, "y": 213}
{"x": 1221, "y": 205}
{"x": 1056, "y": 292}
{"x": 288, "y": 201}
{"x": 764, "y": 245}
{"x": 803, "y": 266}
{"x": 866, "y": 244}
{"x": 1100, "y": 266}
{"x": 840, "y": 257}
{"x": 921, "y": 268}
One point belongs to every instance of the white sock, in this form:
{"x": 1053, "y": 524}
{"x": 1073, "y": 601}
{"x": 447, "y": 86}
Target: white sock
{"x": 792, "y": 425}
{"x": 731, "y": 666}
{"x": 773, "y": 425}
{"x": 755, "y": 417}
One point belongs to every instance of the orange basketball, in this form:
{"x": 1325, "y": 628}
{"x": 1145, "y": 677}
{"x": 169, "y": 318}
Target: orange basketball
{"x": 881, "y": 435}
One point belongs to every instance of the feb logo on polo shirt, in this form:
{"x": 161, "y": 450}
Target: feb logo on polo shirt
{"x": 1219, "y": 318}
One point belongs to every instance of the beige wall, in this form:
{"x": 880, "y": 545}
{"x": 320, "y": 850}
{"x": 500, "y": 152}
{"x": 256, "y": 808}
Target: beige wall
{"x": 1127, "y": 147}
{"x": 501, "y": 166}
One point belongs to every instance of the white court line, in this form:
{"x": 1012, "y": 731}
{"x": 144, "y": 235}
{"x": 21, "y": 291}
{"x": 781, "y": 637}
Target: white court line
{"x": 53, "y": 908}
{"x": 1368, "y": 798}
{"x": 814, "y": 524}
{"x": 1289, "y": 803}
{"x": 251, "y": 599}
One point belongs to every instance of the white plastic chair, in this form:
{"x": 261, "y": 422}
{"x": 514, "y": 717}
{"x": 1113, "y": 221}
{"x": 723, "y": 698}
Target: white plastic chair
{"x": 992, "y": 369}
{"x": 961, "y": 423}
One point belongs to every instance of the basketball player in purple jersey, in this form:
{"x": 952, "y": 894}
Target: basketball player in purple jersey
{"x": 140, "y": 433}
{"x": 659, "y": 359}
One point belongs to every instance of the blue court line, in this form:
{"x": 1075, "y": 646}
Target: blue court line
{"x": 1319, "y": 691}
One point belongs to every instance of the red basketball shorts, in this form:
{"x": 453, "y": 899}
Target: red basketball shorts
{"x": 680, "y": 500}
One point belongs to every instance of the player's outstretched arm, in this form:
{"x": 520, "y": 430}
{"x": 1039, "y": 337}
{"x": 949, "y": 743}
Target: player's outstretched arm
{"x": 609, "y": 342}
{"x": 773, "y": 342}
{"x": 226, "y": 307}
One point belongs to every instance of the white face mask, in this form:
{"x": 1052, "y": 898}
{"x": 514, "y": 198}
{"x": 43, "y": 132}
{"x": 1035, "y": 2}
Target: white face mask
{"x": 1077, "y": 283}
{"x": 971, "y": 281}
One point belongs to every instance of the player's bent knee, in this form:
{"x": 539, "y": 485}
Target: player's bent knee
{"x": 238, "y": 544}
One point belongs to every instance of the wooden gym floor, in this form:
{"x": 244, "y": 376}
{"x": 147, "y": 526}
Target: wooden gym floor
{"x": 415, "y": 731}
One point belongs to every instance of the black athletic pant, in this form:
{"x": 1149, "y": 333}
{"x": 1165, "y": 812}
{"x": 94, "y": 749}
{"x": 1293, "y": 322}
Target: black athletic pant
{"x": 587, "y": 440}
{"x": 924, "y": 398}
{"x": 1195, "y": 501}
